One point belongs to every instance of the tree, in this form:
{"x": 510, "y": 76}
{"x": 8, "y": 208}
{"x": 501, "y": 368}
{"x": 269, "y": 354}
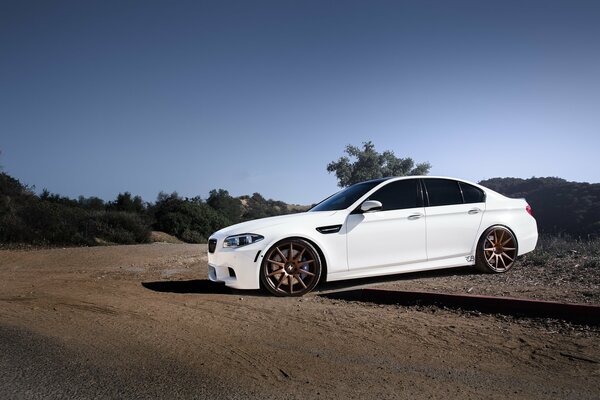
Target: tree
{"x": 91, "y": 203}
{"x": 125, "y": 202}
{"x": 191, "y": 220}
{"x": 365, "y": 164}
{"x": 220, "y": 200}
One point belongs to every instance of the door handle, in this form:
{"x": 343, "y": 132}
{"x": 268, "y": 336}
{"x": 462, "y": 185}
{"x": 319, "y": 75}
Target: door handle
{"x": 415, "y": 216}
{"x": 474, "y": 211}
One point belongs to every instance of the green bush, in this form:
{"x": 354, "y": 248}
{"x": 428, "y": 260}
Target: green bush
{"x": 190, "y": 220}
{"x": 121, "y": 227}
{"x": 50, "y": 219}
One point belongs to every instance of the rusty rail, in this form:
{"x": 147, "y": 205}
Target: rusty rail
{"x": 588, "y": 314}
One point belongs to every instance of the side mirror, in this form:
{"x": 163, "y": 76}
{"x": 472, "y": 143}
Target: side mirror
{"x": 371, "y": 205}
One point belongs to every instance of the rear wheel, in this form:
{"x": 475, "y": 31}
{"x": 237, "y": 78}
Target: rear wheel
{"x": 291, "y": 267}
{"x": 496, "y": 250}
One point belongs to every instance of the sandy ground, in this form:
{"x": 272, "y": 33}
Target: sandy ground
{"x": 143, "y": 322}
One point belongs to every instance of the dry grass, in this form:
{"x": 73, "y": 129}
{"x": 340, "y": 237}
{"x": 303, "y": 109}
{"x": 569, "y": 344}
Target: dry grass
{"x": 162, "y": 237}
{"x": 566, "y": 250}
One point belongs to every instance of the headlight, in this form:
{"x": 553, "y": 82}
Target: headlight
{"x": 242, "y": 240}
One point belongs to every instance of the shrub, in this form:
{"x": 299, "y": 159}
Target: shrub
{"x": 121, "y": 227}
{"x": 190, "y": 220}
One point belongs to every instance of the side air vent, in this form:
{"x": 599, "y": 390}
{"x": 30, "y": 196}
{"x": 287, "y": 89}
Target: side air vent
{"x": 329, "y": 229}
{"x": 212, "y": 245}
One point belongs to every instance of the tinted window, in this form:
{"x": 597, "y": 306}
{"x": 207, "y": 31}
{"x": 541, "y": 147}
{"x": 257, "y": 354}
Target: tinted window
{"x": 443, "y": 192}
{"x": 398, "y": 195}
{"x": 345, "y": 198}
{"x": 471, "y": 194}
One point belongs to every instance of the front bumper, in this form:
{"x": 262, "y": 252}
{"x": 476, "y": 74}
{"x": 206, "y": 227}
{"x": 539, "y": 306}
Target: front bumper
{"x": 238, "y": 268}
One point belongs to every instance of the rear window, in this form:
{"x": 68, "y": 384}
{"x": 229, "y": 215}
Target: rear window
{"x": 443, "y": 192}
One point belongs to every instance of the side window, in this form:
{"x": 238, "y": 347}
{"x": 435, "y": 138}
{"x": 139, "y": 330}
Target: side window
{"x": 443, "y": 192}
{"x": 471, "y": 194}
{"x": 398, "y": 195}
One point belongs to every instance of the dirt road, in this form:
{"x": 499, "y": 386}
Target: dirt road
{"x": 143, "y": 321}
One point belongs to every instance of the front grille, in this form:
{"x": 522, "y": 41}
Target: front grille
{"x": 212, "y": 245}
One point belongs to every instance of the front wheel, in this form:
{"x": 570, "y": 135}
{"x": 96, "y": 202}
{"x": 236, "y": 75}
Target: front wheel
{"x": 291, "y": 267}
{"x": 496, "y": 250}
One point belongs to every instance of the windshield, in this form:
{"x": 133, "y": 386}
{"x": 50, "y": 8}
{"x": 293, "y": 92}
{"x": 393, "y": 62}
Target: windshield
{"x": 345, "y": 198}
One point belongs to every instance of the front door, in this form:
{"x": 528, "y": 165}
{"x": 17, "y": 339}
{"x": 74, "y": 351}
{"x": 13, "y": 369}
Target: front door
{"x": 394, "y": 235}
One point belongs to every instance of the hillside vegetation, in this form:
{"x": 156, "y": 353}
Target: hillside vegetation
{"x": 51, "y": 219}
{"x": 560, "y": 207}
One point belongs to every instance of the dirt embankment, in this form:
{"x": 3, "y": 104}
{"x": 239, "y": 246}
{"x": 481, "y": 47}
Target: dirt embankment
{"x": 143, "y": 321}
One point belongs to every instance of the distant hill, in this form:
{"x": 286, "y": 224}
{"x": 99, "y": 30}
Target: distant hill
{"x": 559, "y": 206}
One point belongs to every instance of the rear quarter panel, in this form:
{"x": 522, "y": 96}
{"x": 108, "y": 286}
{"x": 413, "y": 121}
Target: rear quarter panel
{"x": 511, "y": 213}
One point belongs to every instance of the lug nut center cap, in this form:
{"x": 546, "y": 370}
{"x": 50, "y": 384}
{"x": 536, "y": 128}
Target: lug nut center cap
{"x": 290, "y": 267}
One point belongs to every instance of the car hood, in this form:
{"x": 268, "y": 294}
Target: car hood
{"x": 259, "y": 225}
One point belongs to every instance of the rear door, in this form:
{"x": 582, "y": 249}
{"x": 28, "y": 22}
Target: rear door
{"x": 453, "y": 213}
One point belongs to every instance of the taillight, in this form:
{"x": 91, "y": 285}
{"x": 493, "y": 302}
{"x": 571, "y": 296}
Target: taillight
{"x": 529, "y": 210}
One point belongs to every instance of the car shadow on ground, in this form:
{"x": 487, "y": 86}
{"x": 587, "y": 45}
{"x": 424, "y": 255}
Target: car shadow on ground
{"x": 205, "y": 286}
{"x": 192, "y": 286}
{"x": 196, "y": 286}
{"x": 381, "y": 280}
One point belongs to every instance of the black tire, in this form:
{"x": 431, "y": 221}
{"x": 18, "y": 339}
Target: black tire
{"x": 497, "y": 250}
{"x": 291, "y": 268}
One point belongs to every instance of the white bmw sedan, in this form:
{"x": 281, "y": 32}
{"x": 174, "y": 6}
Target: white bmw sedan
{"x": 379, "y": 227}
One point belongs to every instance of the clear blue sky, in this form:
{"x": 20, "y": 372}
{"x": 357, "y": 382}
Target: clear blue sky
{"x": 102, "y": 97}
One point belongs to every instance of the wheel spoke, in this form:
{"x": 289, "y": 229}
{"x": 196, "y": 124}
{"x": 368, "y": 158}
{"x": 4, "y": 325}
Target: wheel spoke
{"x": 501, "y": 236}
{"x": 507, "y": 256}
{"x": 283, "y": 258}
{"x": 307, "y": 273}
{"x": 509, "y": 248}
{"x": 279, "y": 271}
{"x": 291, "y": 283}
{"x": 280, "y": 281}
{"x": 291, "y": 254}
{"x": 502, "y": 259}
{"x": 279, "y": 264}
{"x": 301, "y": 281}
{"x": 299, "y": 256}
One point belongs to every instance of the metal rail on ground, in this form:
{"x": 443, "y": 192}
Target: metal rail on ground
{"x": 588, "y": 314}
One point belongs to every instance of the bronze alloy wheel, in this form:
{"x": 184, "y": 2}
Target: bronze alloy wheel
{"x": 291, "y": 267}
{"x": 497, "y": 250}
